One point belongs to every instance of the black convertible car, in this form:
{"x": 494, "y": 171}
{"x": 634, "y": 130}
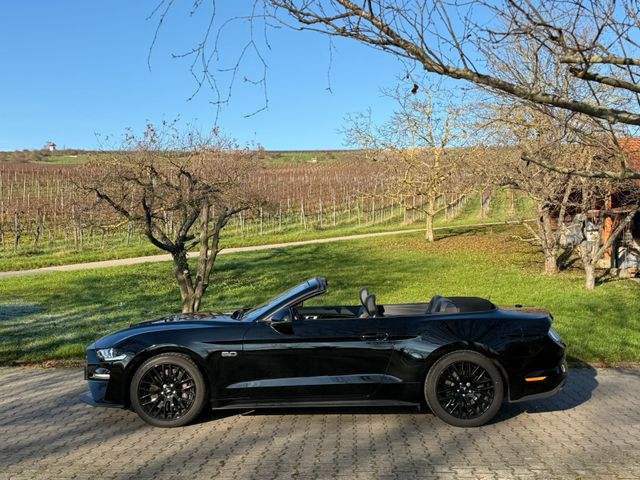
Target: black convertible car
{"x": 462, "y": 356}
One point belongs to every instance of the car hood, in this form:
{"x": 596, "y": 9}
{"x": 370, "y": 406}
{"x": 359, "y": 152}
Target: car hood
{"x": 170, "y": 322}
{"x": 209, "y": 318}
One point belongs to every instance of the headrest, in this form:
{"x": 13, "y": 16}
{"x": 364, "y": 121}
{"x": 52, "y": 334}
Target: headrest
{"x": 433, "y": 302}
{"x": 370, "y": 305}
{"x": 364, "y": 293}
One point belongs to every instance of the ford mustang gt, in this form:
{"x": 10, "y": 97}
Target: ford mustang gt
{"x": 459, "y": 356}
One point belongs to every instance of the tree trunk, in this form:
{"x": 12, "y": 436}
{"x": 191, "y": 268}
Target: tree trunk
{"x": 185, "y": 283}
{"x": 550, "y": 265}
{"x": 512, "y": 202}
{"x": 189, "y": 304}
{"x": 16, "y": 232}
{"x": 549, "y": 243}
{"x": 208, "y": 253}
{"x": 485, "y": 201}
{"x": 589, "y": 276}
{"x": 428, "y": 234}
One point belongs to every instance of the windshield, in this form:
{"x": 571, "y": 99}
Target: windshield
{"x": 274, "y": 303}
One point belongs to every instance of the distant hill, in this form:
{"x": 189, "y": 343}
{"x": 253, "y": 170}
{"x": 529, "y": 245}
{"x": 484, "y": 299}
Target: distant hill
{"x": 74, "y": 157}
{"x": 68, "y": 156}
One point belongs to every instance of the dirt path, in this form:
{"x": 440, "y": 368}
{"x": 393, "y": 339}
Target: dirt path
{"x": 164, "y": 258}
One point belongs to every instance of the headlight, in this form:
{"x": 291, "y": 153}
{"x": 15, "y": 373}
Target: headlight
{"x": 110, "y": 354}
{"x": 555, "y": 336}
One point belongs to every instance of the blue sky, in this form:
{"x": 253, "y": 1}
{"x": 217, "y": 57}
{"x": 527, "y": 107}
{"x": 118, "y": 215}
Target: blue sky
{"x": 72, "y": 69}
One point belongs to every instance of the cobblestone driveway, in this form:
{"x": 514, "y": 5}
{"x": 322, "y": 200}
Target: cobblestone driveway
{"x": 590, "y": 430}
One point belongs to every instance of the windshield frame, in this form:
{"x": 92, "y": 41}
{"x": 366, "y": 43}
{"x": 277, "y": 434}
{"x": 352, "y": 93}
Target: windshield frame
{"x": 299, "y": 293}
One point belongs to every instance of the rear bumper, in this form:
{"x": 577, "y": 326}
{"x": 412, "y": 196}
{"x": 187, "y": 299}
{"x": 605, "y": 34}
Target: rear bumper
{"x": 553, "y": 380}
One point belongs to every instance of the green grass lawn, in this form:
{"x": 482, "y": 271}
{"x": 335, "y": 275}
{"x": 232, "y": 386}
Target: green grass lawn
{"x": 55, "y": 316}
{"x": 76, "y": 159}
{"x": 44, "y": 257}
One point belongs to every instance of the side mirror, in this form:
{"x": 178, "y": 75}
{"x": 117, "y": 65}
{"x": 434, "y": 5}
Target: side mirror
{"x": 282, "y": 316}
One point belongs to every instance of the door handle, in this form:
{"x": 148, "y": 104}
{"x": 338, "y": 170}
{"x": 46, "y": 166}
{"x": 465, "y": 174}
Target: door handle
{"x": 374, "y": 336}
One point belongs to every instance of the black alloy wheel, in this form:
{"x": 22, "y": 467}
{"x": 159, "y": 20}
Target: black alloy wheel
{"x": 464, "y": 389}
{"x": 168, "y": 390}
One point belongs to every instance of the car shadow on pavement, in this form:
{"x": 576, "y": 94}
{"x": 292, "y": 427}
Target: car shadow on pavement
{"x": 581, "y": 383}
{"x": 579, "y": 388}
{"x": 213, "y": 415}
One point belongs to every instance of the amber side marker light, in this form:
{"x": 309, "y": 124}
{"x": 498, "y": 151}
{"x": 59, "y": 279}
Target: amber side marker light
{"x": 534, "y": 379}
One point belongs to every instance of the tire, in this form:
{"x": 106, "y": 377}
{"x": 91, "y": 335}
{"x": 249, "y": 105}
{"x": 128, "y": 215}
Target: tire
{"x": 464, "y": 388}
{"x": 168, "y": 390}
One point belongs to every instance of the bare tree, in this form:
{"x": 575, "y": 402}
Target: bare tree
{"x": 181, "y": 191}
{"x": 449, "y": 38}
{"x": 594, "y": 41}
{"x": 424, "y": 146}
{"x": 562, "y": 201}
{"x": 542, "y": 135}
{"x": 519, "y": 131}
{"x": 595, "y": 216}
{"x": 550, "y": 193}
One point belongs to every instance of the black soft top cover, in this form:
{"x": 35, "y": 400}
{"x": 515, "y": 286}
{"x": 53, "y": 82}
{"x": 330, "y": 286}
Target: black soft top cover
{"x": 472, "y": 304}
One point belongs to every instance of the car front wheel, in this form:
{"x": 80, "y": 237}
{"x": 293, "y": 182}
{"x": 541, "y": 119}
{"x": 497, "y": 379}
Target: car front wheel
{"x": 168, "y": 390}
{"x": 464, "y": 388}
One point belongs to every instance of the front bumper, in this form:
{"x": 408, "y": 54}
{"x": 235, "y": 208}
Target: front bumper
{"x": 90, "y": 400}
{"x": 104, "y": 383}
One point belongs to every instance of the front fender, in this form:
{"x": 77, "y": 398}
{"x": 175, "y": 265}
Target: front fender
{"x": 152, "y": 351}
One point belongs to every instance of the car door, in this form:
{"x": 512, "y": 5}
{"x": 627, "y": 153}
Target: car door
{"x": 314, "y": 358}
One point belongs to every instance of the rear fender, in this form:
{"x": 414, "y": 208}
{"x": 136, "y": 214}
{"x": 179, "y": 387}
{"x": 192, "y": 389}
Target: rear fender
{"x": 474, "y": 346}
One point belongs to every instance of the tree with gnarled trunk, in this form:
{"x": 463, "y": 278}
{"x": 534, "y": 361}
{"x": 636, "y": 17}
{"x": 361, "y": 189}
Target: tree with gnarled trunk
{"x": 181, "y": 191}
{"x": 423, "y": 146}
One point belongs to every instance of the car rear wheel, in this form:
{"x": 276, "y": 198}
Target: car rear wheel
{"x": 464, "y": 388}
{"x": 168, "y": 390}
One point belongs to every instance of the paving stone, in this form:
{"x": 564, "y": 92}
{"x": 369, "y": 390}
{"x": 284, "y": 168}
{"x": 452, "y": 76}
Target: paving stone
{"x": 590, "y": 430}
